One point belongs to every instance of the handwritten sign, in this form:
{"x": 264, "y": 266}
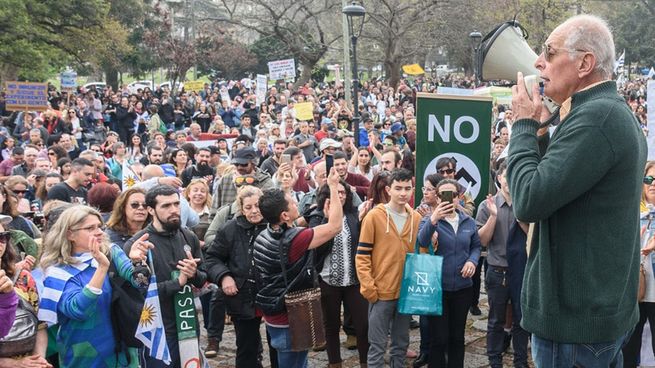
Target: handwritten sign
{"x": 194, "y": 85}
{"x": 24, "y": 96}
{"x": 260, "y": 89}
{"x": 282, "y": 69}
{"x": 304, "y": 111}
{"x": 68, "y": 80}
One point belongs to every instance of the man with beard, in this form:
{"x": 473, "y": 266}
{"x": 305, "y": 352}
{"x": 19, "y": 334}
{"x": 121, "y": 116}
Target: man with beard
{"x": 155, "y": 155}
{"x": 246, "y": 173}
{"x": 271, "y": 164}
{"x": 171, "y": 253}
{"x": 152, "y": 176}
{"x": 201, "y": 170}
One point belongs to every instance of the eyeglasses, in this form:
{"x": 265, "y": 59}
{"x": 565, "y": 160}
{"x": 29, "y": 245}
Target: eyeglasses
{"x": 446, "y": 171}
{"x": 241, "y": 180}
{"x": 5, "y": 236}
{"x": 428, "y": 189}
{"x": 241, "y": 165}
{"x": 549, "y": 52}
{"x": 20, "y": 191}
{"x": 135, "y": 205}
{"x": 648, "y": 180}
{"x": 91, "y": 228}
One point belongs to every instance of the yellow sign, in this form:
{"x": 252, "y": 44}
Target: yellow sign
{"x": 304, "y": 111}
{"x": 194, "y": 86}
{"x": 413, "y": 69}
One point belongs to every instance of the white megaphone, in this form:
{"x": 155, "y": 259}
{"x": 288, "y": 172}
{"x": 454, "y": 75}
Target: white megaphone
{"x": 504, "y": 52}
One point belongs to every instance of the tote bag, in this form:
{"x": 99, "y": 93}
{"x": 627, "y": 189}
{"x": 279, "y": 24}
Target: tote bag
{"x": 420, "y": 290}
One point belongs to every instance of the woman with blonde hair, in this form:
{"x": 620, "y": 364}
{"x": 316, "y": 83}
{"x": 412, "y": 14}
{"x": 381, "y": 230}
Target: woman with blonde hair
{"x": 197, "y": 193}
{"x": 77, "y": 293}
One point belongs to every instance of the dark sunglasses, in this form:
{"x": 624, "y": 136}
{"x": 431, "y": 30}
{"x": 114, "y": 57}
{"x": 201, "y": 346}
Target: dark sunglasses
{"x": 241, "y": 165}
{"x": 446, "y": 171}
{"x": 20, "y": 191}
{"x": 135, "y": 205}
{"x": 5, "y": 236}
{"x": 648, "y": 180}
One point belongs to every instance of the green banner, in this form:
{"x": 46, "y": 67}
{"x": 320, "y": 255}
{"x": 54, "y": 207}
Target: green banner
{"x": 185, "y": 311}
{"x": 458, "y": 127}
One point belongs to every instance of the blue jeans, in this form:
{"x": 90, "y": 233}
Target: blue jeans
{"x": 550, "y": 354}
{"x": 281, "y": 341}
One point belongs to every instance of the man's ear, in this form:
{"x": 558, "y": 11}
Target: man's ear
{"x": 587, "y": 65}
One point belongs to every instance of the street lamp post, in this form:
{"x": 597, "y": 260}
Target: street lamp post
{"x": 475, "y": 37}
{"x": 355, "y": 14}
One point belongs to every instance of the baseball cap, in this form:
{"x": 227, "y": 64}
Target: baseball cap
{"x": 244, "y": 156}
{"x": 396, "y": 127}
{"x": 329, "y": 142}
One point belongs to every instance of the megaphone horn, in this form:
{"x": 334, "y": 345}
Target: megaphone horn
{"x": 504, "y": 51}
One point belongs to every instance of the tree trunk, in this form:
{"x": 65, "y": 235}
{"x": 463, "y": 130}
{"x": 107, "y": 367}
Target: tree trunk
{"x": 305, "y": 74}
{"x": 392, "y": 67}
{"x": 111, "y": 75}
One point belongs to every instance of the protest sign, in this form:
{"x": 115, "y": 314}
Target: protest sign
{"x": 68, "y": 80}
{"x": 194, "y": 86}
{"x": 282, "y": 69}
{"x": 26, "y": 96}
{"x": 261, "y": 88}
{"x": 304, "y": 111}
{"x": 455, "y": 127}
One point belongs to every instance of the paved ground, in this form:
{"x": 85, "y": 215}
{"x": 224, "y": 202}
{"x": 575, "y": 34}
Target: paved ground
{"x": 475, "y": 346}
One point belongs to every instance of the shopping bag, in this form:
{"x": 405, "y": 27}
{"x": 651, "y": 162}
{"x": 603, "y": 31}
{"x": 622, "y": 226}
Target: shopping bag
{"x": 420, "y": 290}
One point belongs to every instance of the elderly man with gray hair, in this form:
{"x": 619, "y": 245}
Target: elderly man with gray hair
{"x": 582, "y": 187}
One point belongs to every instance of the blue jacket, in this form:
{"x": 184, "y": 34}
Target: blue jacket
{"x": 456, "y": 249}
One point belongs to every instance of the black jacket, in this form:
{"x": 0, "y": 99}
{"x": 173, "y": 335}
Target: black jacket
{"x": 125, "y": 118}
{"x": 317, "y": 217}
{"x": 168, "y": 250}
{"x": 231, "y": 253}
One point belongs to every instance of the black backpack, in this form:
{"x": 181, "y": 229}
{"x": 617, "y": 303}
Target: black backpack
{"x": 126, "y": 305}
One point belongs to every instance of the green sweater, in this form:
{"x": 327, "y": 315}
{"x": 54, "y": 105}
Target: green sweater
{"x": 583, "y": 188}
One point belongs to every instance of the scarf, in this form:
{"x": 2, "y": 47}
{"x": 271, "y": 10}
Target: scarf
{"x": 54, "y": 283}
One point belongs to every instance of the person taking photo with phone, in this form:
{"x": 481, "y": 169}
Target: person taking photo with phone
{"x": 459, "y": 245}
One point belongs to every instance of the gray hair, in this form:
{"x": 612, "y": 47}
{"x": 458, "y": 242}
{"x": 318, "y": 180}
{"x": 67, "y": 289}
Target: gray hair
{"x": 592, "y": 33}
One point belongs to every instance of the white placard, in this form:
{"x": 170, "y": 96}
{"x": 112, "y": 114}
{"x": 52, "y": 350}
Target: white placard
{"x": 282, "y": 69}
{"x": 650, "y": 88}
{"x": 261, "y": 88}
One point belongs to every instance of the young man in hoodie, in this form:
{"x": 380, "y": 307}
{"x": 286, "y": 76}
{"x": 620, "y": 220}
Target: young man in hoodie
{"x": 388, "y": 232}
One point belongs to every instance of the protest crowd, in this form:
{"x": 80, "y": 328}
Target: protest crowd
{"x": 119, "y": 206}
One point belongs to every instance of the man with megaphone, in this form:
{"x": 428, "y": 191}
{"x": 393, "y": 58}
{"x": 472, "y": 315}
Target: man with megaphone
{"x": 581, "y": 186}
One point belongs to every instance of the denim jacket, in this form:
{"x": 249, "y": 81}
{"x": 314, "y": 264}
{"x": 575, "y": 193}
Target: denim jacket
{"x": 456, "y": 249}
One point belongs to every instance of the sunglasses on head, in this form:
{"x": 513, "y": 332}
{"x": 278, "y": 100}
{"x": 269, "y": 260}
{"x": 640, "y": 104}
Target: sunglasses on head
{"x": 446, "y": 171}
{"x": 648, "y": 180}
{"x": 5, "y": 236}
{"x": 244, "y": 180}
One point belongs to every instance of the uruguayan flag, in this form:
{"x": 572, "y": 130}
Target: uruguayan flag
{"x": 129, "y": 177}
{"x": 620, "y": 62}
{"x": 151, "y": 327}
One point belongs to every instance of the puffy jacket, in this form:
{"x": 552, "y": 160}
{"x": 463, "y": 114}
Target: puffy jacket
{"x": 456, "y": 249}
{"x": 270, "y": 248}
{"x": 231, "y": 254}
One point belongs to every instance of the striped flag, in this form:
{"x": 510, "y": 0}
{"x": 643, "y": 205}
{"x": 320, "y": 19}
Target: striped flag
{"x": 129, "y": 176}
{"x": 151, "y": 327}
{"x": 620, "y": 62}
{"x": 651, "y": 72}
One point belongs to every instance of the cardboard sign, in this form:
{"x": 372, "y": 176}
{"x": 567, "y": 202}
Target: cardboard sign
{"x": 194, "y": 86}
{"x": 26, "y": 96}
{"x": 304, "y": 111}
{"x": 282, "y": 69}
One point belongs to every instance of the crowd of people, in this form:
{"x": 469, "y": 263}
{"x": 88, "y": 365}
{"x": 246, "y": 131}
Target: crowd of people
{"x": 248, "y": 203}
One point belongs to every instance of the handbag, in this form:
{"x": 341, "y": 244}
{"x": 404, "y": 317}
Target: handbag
{"x": 21, "y": 338}
{"x": 420, "y": 289}
{"x": 304, "y": 311}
